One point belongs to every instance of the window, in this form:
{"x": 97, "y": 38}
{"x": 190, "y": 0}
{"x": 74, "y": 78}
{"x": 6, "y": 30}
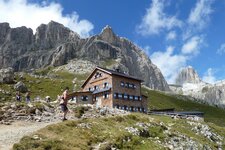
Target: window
{"x": 74, "y": 98}
{"x": 140, "y": 98}
{"x": 106, "y": 95}
{"x": 120, "y": 96}
{"x": 96, "y": 87}
{"x": 131, "y": 85}
{"x": 98, "y": 75}
{"x": 122, "y": 84}
{"x": 89, "y": 89}
{"x": 131, "y": 97}
{"x": 136, "y": 98}
{"x": 115, "y": 95}
{"x": 84, "y": 98}
{"x": 126, "y": 85}
{"x": 105, "y": 85}
{"x": 131, "y": 108}
{"x": 138, "y": 109}
{"x": 135, "y": 86}
{"x": 125, "y": 96}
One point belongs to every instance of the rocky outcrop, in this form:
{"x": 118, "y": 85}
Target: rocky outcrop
{"x": 20, "y": 86}
{"x": 189, "y": 83}
{"x": 187, "y": 75}
{"x": 55, "y": 45}
{"x": 6, "y": 75}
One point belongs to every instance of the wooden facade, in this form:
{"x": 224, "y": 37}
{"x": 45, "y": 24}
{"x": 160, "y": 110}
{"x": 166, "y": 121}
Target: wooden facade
{"x": 114, "y": 89}
{"x": 82, "y": 97}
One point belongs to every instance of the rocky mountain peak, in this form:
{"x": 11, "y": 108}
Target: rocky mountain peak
{"x": 4, "y": 25}
{"x": 53, "y": 34}
{"x": 4, "y": 28}
{"x": 187, "y": 75}
{"x": 56, "y": 45}
{"x": 108, "y": 35}
{"x": 107, "y": 29}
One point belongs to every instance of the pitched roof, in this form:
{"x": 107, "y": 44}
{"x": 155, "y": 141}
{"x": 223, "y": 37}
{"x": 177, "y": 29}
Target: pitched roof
{"x": 111, "y": 72}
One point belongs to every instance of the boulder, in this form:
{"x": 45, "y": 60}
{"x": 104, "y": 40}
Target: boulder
{"x": 6, "y": 75}
{"x": 38, "y": 112}
{"x": 20, "y": 86}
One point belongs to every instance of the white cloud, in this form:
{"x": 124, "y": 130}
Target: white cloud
{"x": 156, "y": 20}
{"x": 169, "y": 63}
{"x": 171, "y": 35}
{"x": 221, "y": 50}
{"x": 199, "y": 15}
{"x": 209, "y": 76}
{"x": 192, "y": 46}
{"x": 22, "y": 13}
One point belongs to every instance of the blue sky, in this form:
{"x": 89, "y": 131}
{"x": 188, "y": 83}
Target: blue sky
{"x": 174, "y": 34}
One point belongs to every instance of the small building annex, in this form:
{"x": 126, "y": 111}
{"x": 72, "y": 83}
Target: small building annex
{"x": 113, "y": 89}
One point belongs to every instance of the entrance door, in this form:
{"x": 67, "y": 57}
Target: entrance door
{"x": 98, "y": 102}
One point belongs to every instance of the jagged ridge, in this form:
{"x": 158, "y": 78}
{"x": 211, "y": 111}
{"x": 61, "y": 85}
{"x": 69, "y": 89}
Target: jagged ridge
{"x": 191, "y": 85}
{"x": 54, "y": 45}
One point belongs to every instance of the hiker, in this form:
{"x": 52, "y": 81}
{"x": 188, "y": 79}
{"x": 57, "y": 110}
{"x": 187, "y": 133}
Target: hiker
{"x": 63, "y": 102}
{"x": 18, "y": 96}
{"x": 27, "y": 96}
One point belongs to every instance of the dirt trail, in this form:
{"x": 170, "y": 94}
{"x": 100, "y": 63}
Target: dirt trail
{"x": 10, "y": 134}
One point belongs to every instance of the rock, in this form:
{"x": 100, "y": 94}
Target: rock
{"x": 133, "y": 130}
{"x": 45, "y": 113}
{"x": 84, "y": 125}
{"x": 6, "y": 123}
{"x": 55, "y": 45}
{"x": 37, "y": 119}
{"x": 20, "y": 114}
{"x": 187, "y": 75}
{"x": 13, "y": 106}
{"x": 48, "y": 109}
{"x": 36, "y": 137}
{"x": 205, "y": 130}
{"x": 4, "y": 108}
{"x": 31, "y": 110}
{"x": 6, "y": 75}
{"x": 103, "y": 111}
{"x": 20, "y": 86}
{"x": 189, "y": 83}
{"x": 38, "y": 112}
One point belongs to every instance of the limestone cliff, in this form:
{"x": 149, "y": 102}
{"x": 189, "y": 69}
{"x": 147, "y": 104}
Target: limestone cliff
{"x": 187, "y": 75}
{"x": 189, "y": 83}
{"x": 55, "y": 45}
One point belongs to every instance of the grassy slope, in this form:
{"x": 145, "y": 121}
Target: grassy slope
{"x": 68, "y": 135}
{"x": 52, "y": 87}
{"x": 158, "y": 100}
{"x": 41, "y": 87}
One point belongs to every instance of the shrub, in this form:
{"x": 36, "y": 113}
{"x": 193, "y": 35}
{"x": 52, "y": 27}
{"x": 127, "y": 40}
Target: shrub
{"x": 79, "y": 111}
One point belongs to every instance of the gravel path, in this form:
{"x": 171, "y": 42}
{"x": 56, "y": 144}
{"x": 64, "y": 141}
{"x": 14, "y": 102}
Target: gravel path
{"x": 10, "y": 134}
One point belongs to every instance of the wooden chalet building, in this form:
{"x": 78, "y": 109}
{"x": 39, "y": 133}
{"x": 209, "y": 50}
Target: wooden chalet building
{"x": 113, "y": 89}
